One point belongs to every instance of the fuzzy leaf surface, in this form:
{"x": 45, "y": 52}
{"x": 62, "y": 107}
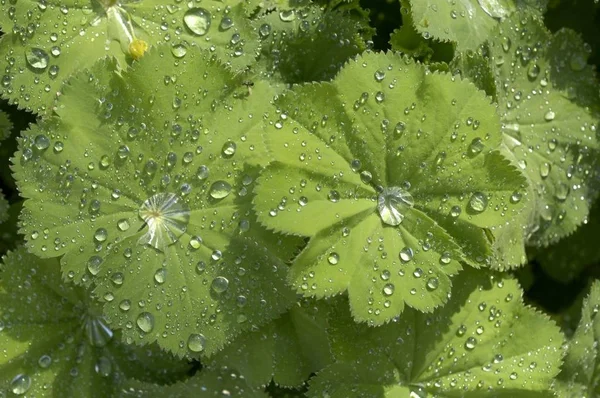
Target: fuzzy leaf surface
{"x": 142, "y": 183}
{"x": 547, "y": 96}
{"x": 478, "y": 345}
{"x": 45, "y": 44}
{"x": 54, "y": 340}
{"x": 386, "y": 130}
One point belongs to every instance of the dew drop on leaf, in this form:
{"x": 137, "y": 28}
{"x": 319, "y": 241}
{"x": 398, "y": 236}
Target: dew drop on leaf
{"x": 220, "y": 284}
{"x": 228, "y": 149}
{"x": 433, "y": 283}
{"x": 160, "y": 275}
{"x": 470, "y": 343}
{"x": 406, "y": 254}
{"x": 478, "y": 202}
{"x": 264, "y": 30}
{"x": 179, "y": 50}
{"x": 392, "y": 204}
{"x": 37, "y": 59}
{"x": 167, "y": 218}
{"x": 20, "y": 384}
{"x": 45, "y": 361}
{"x": 220, "y": 189}
{"x": 197, "y": 20}
{"x": 103, "y": 367}
{"x": 41, "y": 142}
{"x": 333, "y": 258}
{"x": 196, "y": 342}
{"x": 101, "y": 235}
{"x": 145, "y": 322}
{"x": 388, "y": 289}
{"x": 93, "y": 264}
{"x": 549, "y": 116}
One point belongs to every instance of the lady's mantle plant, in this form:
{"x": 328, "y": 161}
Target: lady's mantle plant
{"x": 242, "y": 198}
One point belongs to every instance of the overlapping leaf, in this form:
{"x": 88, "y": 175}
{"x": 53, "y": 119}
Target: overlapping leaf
{"x": 55, "y": 342}
{"x": 142, "y": 183}
{"x": 478, "y": 345}
{"x": 45, "y": 43}
{"x": 547, "y": 94}
{"x": 468, "y": 23}
{"x": 389, "y": 170}
{"x": 287, "y": 36}
{"x": 287, "y": 350}
{"x": 579, "y": 375}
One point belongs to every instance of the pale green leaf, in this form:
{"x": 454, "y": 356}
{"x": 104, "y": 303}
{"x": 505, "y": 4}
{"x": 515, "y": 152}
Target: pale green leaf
{"x": 545, "y": 89}
{"x": 386, "y": 129}
{"x": 480, "y": 344}
{"x": 55, "y": 342}
{"x": 579, "y": 375}
{"x": 287, "y": 350}
{"x": 467, "y": 23}
{"x": 46, "y": 43}
{"x": 143, "y": 184}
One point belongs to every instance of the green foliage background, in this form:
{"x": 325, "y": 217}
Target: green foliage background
{"x": 289, "y": 198}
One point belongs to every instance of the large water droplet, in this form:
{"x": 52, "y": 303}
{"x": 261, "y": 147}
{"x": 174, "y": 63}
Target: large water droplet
{"x": 93, "y": 264}
{"x": 145, "y": 322}
{"x": 494, "y": 8}
{"x": 196, "y": 342}
{"x": 37, "y": 58}
{"x": 393, "y": 203}
{"x": 220, "y": 189}
{"x": 478, "y": 202}
{"x": 103, "y": 367}
{"x": 220, "y": 284}
{"x": 167, "y": 218}
{"x": 197, "y": 20}
{"x": 20, "y": 384}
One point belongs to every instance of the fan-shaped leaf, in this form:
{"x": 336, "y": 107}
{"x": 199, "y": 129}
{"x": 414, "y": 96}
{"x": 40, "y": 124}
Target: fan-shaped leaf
{"x": 389, "y": 170}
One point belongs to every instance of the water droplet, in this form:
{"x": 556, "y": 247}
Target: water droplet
{"x": 392, "y": 204}
{"x": 549, "y": 116}
{"x": 197, "y": 20}
{"x": 41, "y": 142}
{"x": 333, "y": 258}
{"x": 45, "y": 361}
{"x": 388, "y": 289}
{"x": 167, "y": 218}
{"x": 203, "y": 172}
{"x": 37, "y": 58}
{"x": 334, "y": 196}
{"x": 228, "y": 149}
{"x": 160, "y": 275}
{"x": 287, "y": 15}
{"x": 20, "y": 384}
{"x": 433, "y": 283}
{"x": 196, "y": 342}
{"x": 476, "y": 147}
{"x": 93, "y": 264}
{"x": 220, "y": 189}
{"x": 101, "y": 234}
{"x": 103, "y": 367}
{"x": 445, "y": 258}
{"x": 533, "y": 71}
{"x": 478, "y": 202}
{"x": 470, "y": 343}
{"x": 123, "y": 224}
{"x": 264, "y": 30}
{"x": 406, "y": 254}
{"x": 220, "y": 284}
{"x": 179, "y": 50}
{"x": 226, "y": 23}
{"x": 145, "y": 322}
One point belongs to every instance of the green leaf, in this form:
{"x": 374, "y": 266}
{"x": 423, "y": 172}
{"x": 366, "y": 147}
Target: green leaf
{"x": 546, "y": 95}
{"x": 468, "y": 23}
{"x": 579, "y": 375}
{"x": 143, "y": 184}
{"x": 288, "y": 53}
{"x": 44, "y": 44}
{"x": 479, "y": 344}
{"x": 287, "y": 350}
{"x": 54, "y": 339}
{"x": 407, "y": 40}
{"x": 207, "y": 383}
{"x": 566, "y": 259}
{"x": 475, "y": 67}
{"x": 386, "y": 131}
